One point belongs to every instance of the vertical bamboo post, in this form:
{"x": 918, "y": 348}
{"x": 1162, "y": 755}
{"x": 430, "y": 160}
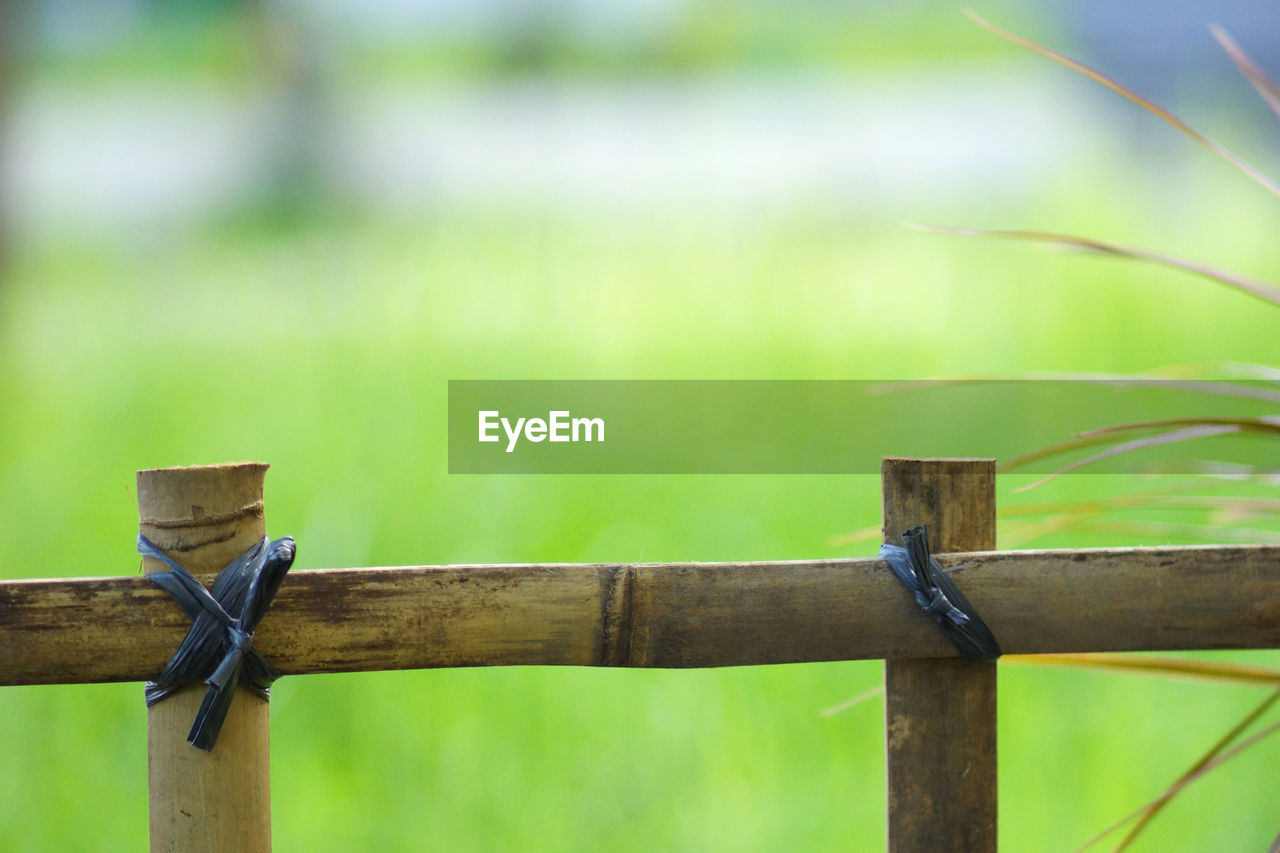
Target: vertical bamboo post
{"x": 204, "y": 517}
{"x": 940, "y": 713}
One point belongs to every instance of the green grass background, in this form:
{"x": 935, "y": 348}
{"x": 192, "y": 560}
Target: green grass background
{"x": 325, "y": 347}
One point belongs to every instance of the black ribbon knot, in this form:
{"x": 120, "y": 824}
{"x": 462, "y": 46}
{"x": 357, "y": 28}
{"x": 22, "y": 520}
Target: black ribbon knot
{"x": 939, "y": 596}
{"x": 218, "y": 648}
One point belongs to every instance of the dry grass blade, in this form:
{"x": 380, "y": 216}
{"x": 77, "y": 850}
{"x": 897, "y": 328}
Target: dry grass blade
{"x": 1219, "y": 470}
{"x": 1165, "y": 531}
{"x": 1050, "y": 518}
{"x": 863, "y": 534}
{"x": 1255, "y": 287}
{"x": 1217, "y": 755}
{"x": 1024, "y": 523}
{"x": 1024, "y": 533}
{"x": 869, "y": 693}
{"x": 1171, "y": 430}
{"x": 1179, "y": 668}
{"x": 1225, "y": 388}
{"x": 1102, "y": 79}
{"x": 1223, "y": 369}
{"x": 1043, "y": 519}
{"x": 1243, "y": 506}
{"x": 1247, "y": 67}
{"x": 1170, "y": 437}
{"x": 1188, "y": 428}
{"x": 1261, "y": 372}
{"x": 1186, "y": 668}
{"x": 1263, "y": 424}
{"x": 1045, "y": 452}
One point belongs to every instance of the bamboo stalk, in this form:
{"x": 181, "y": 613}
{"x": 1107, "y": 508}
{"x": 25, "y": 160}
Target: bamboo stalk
{"x": 940, "y": 713}
{"x": 204, "y": 517}
{"x": 661, "y": 614}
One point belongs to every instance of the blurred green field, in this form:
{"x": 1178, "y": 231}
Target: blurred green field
{"x": 325, "y": 349}
{"x": 214, "y": 40}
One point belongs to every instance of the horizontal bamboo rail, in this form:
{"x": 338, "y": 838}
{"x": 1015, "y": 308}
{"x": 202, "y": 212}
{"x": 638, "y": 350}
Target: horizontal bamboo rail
{"x": 660, "y": 615}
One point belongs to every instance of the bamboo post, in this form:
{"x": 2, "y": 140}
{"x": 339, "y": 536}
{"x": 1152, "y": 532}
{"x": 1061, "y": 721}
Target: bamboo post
{"x": 204, "y": 517}
{"x": 940, "y": 713}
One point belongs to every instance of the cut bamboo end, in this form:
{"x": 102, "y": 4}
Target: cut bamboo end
{"x": 203, "y": 516}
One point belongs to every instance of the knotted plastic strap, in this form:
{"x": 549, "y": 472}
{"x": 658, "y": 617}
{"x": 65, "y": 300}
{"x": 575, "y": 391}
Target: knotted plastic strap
{"x": 939, "y": 596}
{"x": 218, "y": 648}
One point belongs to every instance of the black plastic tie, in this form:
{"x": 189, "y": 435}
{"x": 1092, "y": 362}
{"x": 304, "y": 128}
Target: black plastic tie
{"x": 939, "y": 596}
{"x": 218, "y": 648}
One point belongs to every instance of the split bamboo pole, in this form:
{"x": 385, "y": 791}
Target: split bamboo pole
{"x": 940, "y": 713}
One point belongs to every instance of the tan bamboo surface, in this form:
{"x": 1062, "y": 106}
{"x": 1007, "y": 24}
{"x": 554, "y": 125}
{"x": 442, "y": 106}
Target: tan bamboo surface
{"x": 204, "y": 517}
{"x": 660, "y": 614}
